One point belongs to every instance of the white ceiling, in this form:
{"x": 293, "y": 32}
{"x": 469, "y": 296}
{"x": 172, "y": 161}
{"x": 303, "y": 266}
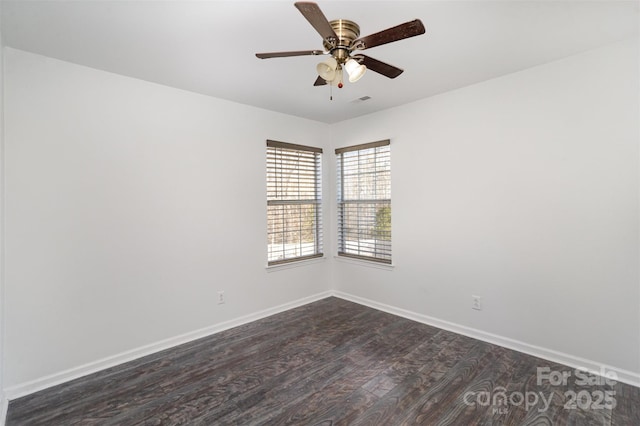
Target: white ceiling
{"x": 208, "y": 46}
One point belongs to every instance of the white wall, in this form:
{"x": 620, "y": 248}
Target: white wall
{"x": 128, "y": 206}
{"x": 523, "y": 190}
{"x": 2, "y": 299}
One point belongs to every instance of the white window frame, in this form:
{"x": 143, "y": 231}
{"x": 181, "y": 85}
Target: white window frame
{"x": 294, "y": 202}
{"x": 363, "y": 175}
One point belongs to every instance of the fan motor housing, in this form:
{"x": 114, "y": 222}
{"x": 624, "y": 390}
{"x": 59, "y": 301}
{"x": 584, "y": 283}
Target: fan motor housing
{"x": 347, "y": 31}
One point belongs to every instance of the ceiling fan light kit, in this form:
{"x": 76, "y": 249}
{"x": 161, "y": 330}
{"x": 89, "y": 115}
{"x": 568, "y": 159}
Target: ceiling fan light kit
{"x": 354, "y": 69}
{"x": 341, "y": 38}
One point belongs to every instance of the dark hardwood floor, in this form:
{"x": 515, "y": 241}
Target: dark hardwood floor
{"x": 331, "y": 362}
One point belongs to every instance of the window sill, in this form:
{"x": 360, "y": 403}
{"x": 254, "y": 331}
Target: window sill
{"x": 294, "y": 264}
{"x": 367, "y": 263}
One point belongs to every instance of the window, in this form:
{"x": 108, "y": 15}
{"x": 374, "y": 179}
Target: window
{"x": 294, "y": 216}
{"x": 364, "y": 201}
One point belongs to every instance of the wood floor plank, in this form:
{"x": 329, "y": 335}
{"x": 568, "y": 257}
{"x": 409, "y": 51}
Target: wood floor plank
{"x": 464, "y": 407}
{"x": 331, "y": 362}
{"x": 400, "y": 400}
{"x": 442, "y": 396}
{"x": 398, "y": 337}
{"x": 627, "y": 411}
{"x": 513, "y": 380}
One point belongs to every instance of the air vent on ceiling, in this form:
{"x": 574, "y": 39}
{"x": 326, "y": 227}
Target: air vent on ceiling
{"x": 362, "y": 99}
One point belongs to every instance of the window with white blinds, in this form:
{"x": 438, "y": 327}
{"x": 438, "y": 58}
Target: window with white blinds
{"x": 364, "y": 201}
{"x": 294, "y": 198}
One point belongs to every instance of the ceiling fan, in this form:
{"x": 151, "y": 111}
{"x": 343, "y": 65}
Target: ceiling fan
{"x": 341, "y": 39}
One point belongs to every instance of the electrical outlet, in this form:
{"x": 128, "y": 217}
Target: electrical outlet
{"x": 476, "y": 303}
{"x": 220, "y": 297}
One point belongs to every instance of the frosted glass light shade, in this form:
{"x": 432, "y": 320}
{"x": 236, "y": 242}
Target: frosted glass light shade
{"x": 327, "y": 69}
{"x": 354, "y": 69}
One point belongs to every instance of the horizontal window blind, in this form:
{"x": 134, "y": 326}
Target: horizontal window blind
{"x": 294, "y": 202}
{"x": 364, "y": 201}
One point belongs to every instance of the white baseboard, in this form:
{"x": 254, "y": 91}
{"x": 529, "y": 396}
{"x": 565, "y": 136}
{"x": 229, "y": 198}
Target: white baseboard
{"x": 594, "y": 367}
{"x": 24, "y": 389}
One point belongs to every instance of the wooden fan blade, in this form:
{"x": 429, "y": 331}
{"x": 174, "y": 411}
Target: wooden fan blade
{"x": 379, "y": 66}
{"x": 316, "y": 18}
{"x": 320, "y": 81}
{"x": 400, "y": 32}
{"x": 292, "y": 53}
